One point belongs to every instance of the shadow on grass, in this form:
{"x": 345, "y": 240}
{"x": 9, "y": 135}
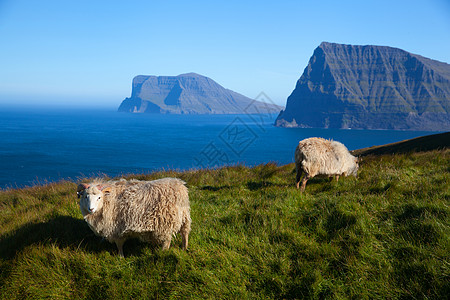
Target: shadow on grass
{"x": 414, "y": 223}
{"x": 254, "y": 186}
{"x": 321, "y": 184}
{"x": 214, "y": 188}
{"x": 258, "y": 185}
{"x": 62, "y": 231}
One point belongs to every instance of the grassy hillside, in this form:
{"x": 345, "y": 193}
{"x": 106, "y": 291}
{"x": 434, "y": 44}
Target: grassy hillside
{"x": 419, "y": 144}
{"x": 384, "y": 235}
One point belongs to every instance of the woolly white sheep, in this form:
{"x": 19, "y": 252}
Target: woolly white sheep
{"x": 317, "y": 156}
{"x": 150, "y": 210}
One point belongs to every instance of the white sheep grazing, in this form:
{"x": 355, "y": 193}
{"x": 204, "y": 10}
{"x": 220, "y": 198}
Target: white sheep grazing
{"x": 150, "y": 210}
{"x": 317, "y": 156}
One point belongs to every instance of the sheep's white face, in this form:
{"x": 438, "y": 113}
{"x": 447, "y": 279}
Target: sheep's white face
{"x": 91, "y": 200}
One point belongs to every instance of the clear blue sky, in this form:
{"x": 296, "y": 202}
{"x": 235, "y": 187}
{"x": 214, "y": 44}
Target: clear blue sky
{"x": 87, "y": 52}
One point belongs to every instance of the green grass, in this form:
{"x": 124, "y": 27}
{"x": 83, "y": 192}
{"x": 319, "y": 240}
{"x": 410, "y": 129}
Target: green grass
{"x": 383, "y": 235}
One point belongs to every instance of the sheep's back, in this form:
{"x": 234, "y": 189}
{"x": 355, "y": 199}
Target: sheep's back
{"x": 152, "y": 205}
{"x": 317, "y": 156}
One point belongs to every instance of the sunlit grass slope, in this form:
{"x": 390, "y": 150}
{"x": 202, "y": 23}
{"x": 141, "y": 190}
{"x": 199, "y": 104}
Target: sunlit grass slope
{"x": 383, "y": 235}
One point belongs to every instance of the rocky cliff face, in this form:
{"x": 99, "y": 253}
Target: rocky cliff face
{"x": 189, "y": 94}
{"x": 369, "y": 87}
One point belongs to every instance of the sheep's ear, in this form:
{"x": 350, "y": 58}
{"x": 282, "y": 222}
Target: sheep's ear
{"x": 106, "y": 190}
{"x": 81, "y": 187}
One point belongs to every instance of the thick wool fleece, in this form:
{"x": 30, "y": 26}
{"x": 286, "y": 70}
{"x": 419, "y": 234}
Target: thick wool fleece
{"x": 150, "y": 210}
{"x": 318, "y": 156}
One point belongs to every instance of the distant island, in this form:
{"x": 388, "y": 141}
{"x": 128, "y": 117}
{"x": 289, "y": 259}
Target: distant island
{"x": 369, "y": 87}
{"x": 189, "y": 94}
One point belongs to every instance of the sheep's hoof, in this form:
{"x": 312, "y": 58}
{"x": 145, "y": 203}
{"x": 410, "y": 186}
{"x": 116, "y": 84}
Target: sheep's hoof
{"x": 166, "y": 245}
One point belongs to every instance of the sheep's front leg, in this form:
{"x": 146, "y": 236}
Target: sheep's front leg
{"x": 299, "y": 175}
{"x": 119, "y": 244}
{"x": 166, "y": 244}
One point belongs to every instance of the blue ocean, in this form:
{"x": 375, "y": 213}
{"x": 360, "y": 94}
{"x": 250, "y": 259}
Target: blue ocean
{"x": 41, "y": 146}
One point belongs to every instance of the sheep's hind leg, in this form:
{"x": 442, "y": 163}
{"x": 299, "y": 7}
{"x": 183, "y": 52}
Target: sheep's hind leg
{"x": 119, "y": 244}
{"x": 185, "y": 229}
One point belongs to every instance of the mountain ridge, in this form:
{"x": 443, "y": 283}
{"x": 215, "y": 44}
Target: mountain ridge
{"x": 189, "y": 93}
{"x": 369, "y": 87}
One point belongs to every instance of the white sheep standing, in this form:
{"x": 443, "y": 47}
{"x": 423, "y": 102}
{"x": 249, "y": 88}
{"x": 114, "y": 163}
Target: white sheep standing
{"x": 150, "y": 210}
{"x": 318, "y": 156}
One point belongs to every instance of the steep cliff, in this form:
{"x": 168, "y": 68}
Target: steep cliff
{"x": 189, "y": 94}
{"x": 369, "y": 87}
